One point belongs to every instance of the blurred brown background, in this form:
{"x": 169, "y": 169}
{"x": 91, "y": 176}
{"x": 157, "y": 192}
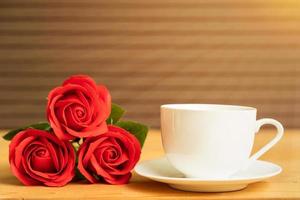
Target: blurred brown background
{"x": 152, "y": 52}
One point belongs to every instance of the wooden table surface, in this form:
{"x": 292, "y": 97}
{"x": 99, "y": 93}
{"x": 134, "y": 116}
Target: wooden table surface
{"x": 284, "y": 186}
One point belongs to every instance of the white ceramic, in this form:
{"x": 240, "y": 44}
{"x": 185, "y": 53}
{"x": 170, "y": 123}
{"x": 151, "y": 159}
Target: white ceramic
{"x": 210, "y": 141}
{"x": 162, "y": 171}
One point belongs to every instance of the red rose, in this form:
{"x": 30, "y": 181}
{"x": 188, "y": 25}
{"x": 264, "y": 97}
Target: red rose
{"x": 109, "y": 157}
{"x": 79, "y": 108}
{"x": 39, "y": 158}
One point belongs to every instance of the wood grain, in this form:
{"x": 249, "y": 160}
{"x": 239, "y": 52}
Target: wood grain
{"x": 151, "y": 53}
{"x": 284, "y": 186}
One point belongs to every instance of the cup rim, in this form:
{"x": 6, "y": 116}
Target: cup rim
{"x": 206, "y": 107}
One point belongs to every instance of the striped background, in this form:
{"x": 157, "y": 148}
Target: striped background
{"x": 152, "y": 52}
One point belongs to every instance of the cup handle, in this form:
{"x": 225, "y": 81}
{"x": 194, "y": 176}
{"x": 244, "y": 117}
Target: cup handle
{"x": 268, "y": 146}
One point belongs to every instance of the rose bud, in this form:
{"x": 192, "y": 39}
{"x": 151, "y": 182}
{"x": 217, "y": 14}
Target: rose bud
{"x": 38, "y": 157}
{"x": 79, "y": 108}
{"x": 109, "y": 157}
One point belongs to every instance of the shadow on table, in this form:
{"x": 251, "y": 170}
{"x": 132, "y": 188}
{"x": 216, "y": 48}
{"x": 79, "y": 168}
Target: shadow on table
{"x": 10, "y": 180}
{"x": 146, "y": 186}
{"x": 152, "y": 187}
{"x": 7, "y": 178}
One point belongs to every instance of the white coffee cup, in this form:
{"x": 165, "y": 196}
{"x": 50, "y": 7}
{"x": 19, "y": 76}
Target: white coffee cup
{"x": 210, "y": 141}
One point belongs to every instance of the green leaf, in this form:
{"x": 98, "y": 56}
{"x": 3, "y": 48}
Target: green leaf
{"x": 76, "y": 146}
{"x": 138, "y": 130}
{"x": 40, "y": 126}
{"x": 78, "y": 176}
{"x": 116, "y": 113}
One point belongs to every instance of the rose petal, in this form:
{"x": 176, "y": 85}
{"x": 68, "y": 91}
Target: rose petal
{"x": 99, "y": 170}
{"x": 81, "y": 80}
{"x": 37, "y": 152}
{"x": 119, "y": 180}
{"x": 19, "y": 173}
{"x": 102, "y": 128}
{"x": 92, "y": 145}
{"x": 111, "y": 156}
{"x": 82, "y": 167}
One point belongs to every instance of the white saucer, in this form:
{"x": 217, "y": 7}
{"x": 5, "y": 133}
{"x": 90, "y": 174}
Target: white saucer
{"x": 162, "y": 171}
